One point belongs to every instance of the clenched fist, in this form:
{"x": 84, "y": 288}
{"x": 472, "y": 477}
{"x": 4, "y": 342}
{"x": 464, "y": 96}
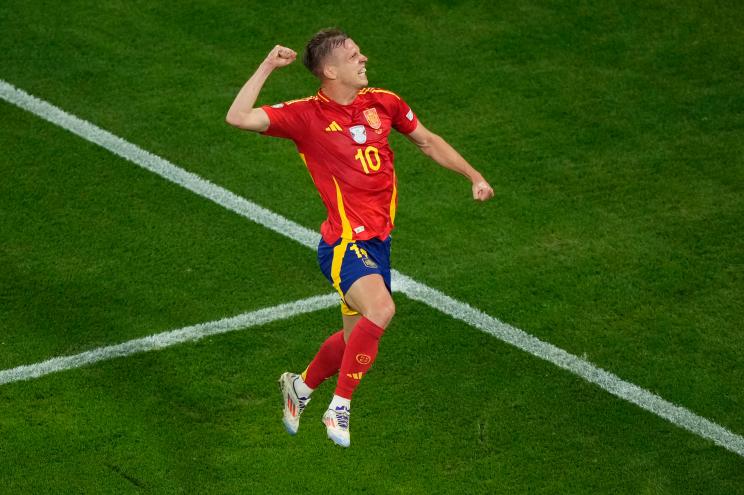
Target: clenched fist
{"x": 482, "y": 191}
{"x": 280, "y": 56}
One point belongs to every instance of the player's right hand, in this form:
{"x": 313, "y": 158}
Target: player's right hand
{"x": 280, "y": 56}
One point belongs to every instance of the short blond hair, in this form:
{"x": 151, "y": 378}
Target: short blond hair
{"x": 320, "y": 46}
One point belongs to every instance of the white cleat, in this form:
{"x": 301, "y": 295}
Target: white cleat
{"x": 293, "y": 404}
{"x": 337, "y": 425}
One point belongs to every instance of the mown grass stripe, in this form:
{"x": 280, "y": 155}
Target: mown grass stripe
{"x": 159, "y": 166}
{"x": 166, "y": 339}
{"x": 677, "y": 415}
{"x": 613, "y": 384}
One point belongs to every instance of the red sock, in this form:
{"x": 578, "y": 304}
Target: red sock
{"x": 326, "y": 362}
{"x": 359, "y": 355}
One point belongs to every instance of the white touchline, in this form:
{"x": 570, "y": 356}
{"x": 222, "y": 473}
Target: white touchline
{"x": 167, "y": 339}
{"x": 675, "y": 414}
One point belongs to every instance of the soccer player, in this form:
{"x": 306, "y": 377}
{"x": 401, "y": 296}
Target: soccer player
{"x": 341, "y": 134}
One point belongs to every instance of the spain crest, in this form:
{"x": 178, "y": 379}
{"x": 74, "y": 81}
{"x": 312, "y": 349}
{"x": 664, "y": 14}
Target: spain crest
{"x": 372, "y": 118}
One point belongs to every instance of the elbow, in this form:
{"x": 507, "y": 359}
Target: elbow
{"x": 429, "y": 145}
{"x": 232, "y": 120}
{"x": 249, "y": 121}
{"x": 425, "y": 148}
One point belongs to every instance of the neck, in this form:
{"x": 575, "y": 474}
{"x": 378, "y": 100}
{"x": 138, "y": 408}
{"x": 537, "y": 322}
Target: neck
{"x": 343, "y": 95}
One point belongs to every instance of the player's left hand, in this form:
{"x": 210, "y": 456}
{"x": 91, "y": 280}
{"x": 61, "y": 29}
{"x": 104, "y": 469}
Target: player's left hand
{"x": 482, "y": 191}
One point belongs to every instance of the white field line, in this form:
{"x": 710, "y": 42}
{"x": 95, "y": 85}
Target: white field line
{"x": 677, "y": 415}
{"x": 167, "y": 339}
{"x": 604, "y": 379}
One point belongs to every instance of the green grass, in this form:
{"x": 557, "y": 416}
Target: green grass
{"x": 614, "y": 137}
{"x": 218, "y": 431}
{"x": 101, "y": 247}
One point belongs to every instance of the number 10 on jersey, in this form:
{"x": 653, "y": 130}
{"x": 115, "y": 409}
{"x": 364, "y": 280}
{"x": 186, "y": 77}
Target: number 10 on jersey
{"x": 370, "y": 159}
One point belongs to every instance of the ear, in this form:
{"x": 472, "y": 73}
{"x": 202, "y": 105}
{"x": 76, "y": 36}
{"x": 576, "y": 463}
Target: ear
{"x": 330, "y": 71}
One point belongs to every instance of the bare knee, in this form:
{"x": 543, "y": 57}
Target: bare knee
{"x": 371, "y": 298}
{"x": 382, "y": 312}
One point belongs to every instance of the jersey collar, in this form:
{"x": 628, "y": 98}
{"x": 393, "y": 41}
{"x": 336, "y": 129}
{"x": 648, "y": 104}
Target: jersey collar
{"x": 326, "y": 100}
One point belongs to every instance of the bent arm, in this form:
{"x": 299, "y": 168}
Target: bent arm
{"x": 439, "y": 150}
{"x": 241, "y": 113}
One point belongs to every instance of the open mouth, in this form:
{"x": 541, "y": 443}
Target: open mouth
{"x": 363, "y": 71}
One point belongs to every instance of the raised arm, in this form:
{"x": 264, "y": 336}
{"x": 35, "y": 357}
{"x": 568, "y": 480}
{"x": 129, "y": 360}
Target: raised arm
{"x": 445, "y": 155}
{"x": 241, "y": 113}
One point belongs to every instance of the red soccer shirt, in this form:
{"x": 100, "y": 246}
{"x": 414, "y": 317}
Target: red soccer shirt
{"x": 346, "y": 151}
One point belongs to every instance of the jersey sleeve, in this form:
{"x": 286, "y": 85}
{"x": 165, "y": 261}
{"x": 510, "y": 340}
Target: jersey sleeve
{"x": 404, "y": 120}
{"x": 285, "y": 121}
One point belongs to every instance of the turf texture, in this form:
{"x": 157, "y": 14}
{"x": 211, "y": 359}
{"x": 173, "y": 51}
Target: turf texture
{"x": 613, "y": 135}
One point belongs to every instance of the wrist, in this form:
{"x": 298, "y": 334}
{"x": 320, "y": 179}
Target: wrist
{"x": 265, "y": 68}
{"x": 475, "y": 177}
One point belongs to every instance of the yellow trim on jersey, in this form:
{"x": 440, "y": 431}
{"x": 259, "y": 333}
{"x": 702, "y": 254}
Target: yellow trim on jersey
{"x": 302, "y": 156}
{"x": 300, "y": 99}
{"x": 340, "y": 250}
{"x": 392, "y": 200}
{"x": 377, "y": 90}
{"x": 320, "y": 95}
{"x": 345, "y": 224}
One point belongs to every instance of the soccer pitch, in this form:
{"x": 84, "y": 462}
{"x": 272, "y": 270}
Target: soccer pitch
{"x": 613, "y": 138}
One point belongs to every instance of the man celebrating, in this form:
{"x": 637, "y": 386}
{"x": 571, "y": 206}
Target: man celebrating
{"x": 341, "y": 134}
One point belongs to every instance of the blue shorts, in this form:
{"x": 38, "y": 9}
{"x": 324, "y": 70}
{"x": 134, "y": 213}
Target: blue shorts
{"x": 344, "y": 262}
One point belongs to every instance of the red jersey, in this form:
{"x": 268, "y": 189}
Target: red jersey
{"x": 346, "y": 151}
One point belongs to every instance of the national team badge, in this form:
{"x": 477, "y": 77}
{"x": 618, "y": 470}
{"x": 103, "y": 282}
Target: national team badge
{"x": 372, "y": 118}
{"x": 363, "y": 358}
{"x": 359, "y": 133}
{"x": 369, "y": 263}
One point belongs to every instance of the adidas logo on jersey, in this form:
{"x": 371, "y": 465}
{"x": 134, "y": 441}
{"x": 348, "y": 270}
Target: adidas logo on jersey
{"x": 333, "y": 127}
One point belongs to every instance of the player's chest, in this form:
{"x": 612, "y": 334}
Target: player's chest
{"x": 363, "y": 125}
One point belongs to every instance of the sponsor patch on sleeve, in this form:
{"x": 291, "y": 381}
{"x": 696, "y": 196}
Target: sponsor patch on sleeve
{"x": 409, "y": 115}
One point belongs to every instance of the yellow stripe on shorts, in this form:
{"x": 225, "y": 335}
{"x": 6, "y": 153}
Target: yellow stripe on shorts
{"x": 338, "y": 258}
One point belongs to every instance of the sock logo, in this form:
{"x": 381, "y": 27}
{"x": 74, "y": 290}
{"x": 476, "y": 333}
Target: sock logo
{"x": 355, "y": 376}
{"x": 363, "y": 359}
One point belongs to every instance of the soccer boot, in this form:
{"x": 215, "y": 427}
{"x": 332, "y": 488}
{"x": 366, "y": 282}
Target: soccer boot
{"x": 293, "y": 403}
{"x": 337, "y": 425}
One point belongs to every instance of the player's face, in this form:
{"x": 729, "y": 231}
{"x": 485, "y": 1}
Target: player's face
{"x": 350, "y": 64}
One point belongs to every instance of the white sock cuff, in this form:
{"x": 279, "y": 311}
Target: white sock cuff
{"x": 339, "y": 401}
{"x": 301, "y": 387}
